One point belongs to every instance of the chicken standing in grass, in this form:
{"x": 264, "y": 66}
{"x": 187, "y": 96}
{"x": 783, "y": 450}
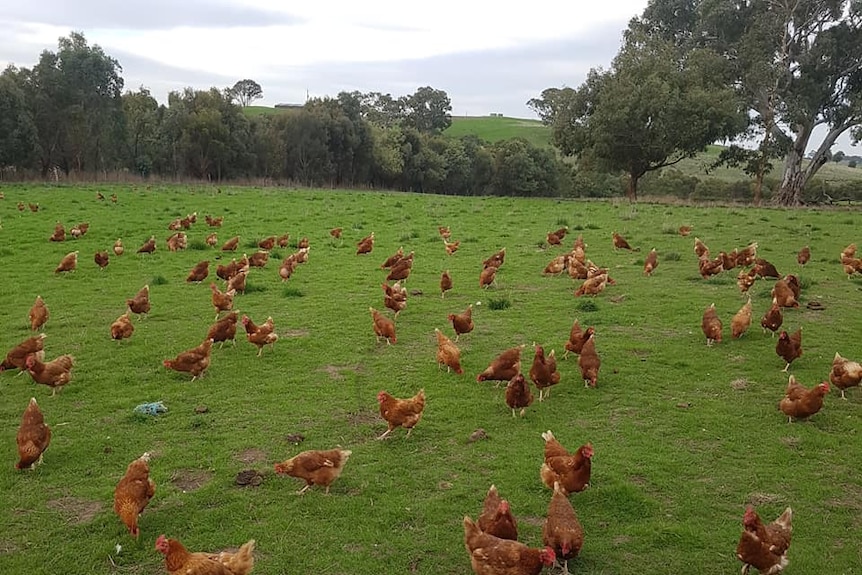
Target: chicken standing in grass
{"x": 445, "y": 283}
{"x": 789, "y": 346}
{"x": 140, "y": 304}
{"x": 404, "y": 413}
{"x": 577, "y": 338}
{"x": 38, "y": 314}
{"x": 845, "y": 373}
{"x": 764, "y": 547}
{"x": 651, "y": 262}
{"x": 800, "y": 402}
{"x": 315, "y": 467}
{"x": 518, "y": 394}
{"x": 102, "y": 259}
{"x": 462, "y": 322}
{"x": 33, "y": 437}
{"x": 562, "y": 531}
{"x": 68, "y": 263}
{"x": 773, "y": 318}
{"x": 571, "y": 470}
{"x": 122, "y": 327}
{"x": 448, "y": 353}
{"x": 55, "y": 373}
{"x": 194, "y": 361}
{"x": 741, "y": 321}
{"x": 133, "y": 493}
{"x": 260, "y": 335}
{"x": 383, "y": 327}
{"x": 543, "y": 372}
{"x": 496, "y": 518}
{"x": 711, "y": 325}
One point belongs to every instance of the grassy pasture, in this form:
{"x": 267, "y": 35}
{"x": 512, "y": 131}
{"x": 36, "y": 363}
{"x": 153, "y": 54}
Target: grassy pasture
{"x": 684, "y": 435}
{"x": 498, "y": 128}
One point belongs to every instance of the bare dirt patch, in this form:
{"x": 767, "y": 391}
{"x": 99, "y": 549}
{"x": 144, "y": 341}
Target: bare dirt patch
{"x": 294, "y": 333}
{"x": 739, "y": 384}
{"x": 251, "y": 455}
{"x": 7, "y": 546}
{"x": 362, "y": 417}
{"x": 74, "y": 510}
{"x": 793, "y": 442}
{"x": 190, "y": 479}
{"x": 758, "y": 498}
{"x": 334, "y": 371}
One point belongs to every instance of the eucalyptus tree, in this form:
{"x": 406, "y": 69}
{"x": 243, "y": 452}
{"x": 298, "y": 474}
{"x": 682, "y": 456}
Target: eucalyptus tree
{"x": 796, "y": 63}
{"x": 17, "y": 131}
{"x": 656, "y": 106}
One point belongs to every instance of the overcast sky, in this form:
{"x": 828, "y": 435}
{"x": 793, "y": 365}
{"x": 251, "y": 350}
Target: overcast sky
{"x": 489, "y": 57}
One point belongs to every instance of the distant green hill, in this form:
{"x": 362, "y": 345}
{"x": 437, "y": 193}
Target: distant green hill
{"x": 495, "y": 128}
{"x": 252, "y": 111}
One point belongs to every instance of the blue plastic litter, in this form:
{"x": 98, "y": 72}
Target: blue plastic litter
{"x": 153, "y": 408}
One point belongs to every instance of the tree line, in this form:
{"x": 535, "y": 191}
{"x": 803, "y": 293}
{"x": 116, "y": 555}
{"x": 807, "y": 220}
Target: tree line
{"x": 70, "y": 113}
{"x": 689, "y": 73}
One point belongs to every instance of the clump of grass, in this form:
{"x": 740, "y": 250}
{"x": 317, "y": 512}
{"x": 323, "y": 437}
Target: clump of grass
{"x": 592, "y": 226}
{"x": 562, "y": 222}
{"x": 198, "y": 245}
{"x": 806, "y": 283}
{"x": 357, "y": 225}
{"x": 470, "y": 240}
{"x": 668, "y": 230}
{"x": 254, "y": 288}
{"x": 290, "y": 291}
{"x": 577, "y": 227}
{"x": 587, "y": 305}
{"x": 499, "y": 303}
{"x": 251, "y": 244}
{"x": 671, "y": 256}
{"x": 158, "y": 281}
{"x": 763, "y": 219}
{"x": 409, "y": 236}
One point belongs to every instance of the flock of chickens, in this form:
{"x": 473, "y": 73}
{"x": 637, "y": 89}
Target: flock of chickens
{"x": 492, "y": 541}
{"x": 798, "y": 402}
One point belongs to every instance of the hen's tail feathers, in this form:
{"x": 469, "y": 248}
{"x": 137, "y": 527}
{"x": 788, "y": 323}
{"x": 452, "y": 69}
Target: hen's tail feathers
{"x": 548, "y": 435}
{"x": 785, "y": 519}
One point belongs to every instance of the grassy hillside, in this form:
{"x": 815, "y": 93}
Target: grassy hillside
{"x": 684, "y": 435}
{"x": 494, "y": 129}
{"x": 252, "y": 111}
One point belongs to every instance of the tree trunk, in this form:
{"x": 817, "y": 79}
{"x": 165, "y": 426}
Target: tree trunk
{"x": 632, "y": 187}
{"x": 795, "y": 178}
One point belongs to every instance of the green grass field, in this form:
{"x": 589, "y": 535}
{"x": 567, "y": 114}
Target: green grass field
{"x": 494, "y": 129}
{"x": 684, "y": 435}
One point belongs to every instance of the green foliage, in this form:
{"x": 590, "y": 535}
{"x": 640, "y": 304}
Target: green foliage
{"x": 684, "y": 435}
{"x": 17, "y": 130}
{"x": 654, "y": 108}
{"x": 794, "y": 67}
